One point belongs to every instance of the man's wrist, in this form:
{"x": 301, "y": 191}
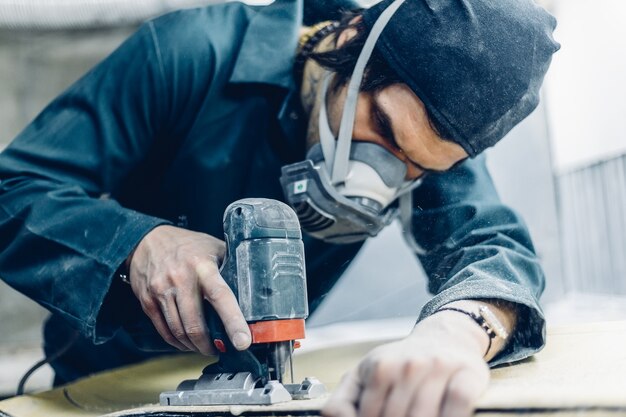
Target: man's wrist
{"x": 456, "y": 329}
{"x": 494, "y": 321}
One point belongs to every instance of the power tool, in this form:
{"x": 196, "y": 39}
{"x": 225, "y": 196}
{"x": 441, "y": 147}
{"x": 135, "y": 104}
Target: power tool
{"x": 264, "y": 266}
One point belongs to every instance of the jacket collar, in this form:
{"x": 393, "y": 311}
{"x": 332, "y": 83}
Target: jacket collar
{"x": 268, "y": 49}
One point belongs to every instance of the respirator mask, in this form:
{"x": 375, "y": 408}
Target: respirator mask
{"x": 346, "y": 191}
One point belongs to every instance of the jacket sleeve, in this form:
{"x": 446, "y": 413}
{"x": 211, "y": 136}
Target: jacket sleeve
{"x": 477, "y": 248}
{"x": 61, "y": 235}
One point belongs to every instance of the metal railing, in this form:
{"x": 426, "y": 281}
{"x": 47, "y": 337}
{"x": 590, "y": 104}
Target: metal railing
{"x": 592, "y": 206}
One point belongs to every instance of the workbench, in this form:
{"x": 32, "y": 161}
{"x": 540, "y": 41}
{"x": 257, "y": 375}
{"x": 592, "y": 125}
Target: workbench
{"x": 581, "y": 372}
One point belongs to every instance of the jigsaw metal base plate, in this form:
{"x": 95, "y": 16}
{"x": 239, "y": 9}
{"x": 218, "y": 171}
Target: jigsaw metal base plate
{"x": 239, "y": 388}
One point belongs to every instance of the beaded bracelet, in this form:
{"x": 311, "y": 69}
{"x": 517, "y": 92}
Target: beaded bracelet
{"x": 486, "y": 320}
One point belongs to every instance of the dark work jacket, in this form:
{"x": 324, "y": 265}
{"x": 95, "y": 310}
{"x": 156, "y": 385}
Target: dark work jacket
{"x": 194, "y": 111}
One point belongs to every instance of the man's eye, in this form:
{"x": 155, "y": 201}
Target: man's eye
{"x": 385, "y": 132}
{"x": 392, "y": 142}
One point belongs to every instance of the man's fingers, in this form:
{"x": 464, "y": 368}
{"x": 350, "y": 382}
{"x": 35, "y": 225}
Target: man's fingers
{"x": 404, "y": 390}
{"x": 224, "y": 302}
{"x": 377, "y": 379}
{"x": 343, "y": 401}
{"x": 173, "y": 320}
{"x": 427, "y": 402}
{"x": 193, "y": 321}
{"x": 153, "y": 311}
{"x": 462, "y": 392}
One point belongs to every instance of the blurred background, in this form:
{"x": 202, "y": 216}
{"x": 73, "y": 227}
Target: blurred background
{"x": 564, "y": 168}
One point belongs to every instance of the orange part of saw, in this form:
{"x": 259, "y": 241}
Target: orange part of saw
{"x": 277, "y": 330}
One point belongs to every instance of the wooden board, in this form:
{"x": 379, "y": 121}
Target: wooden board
{"x": 581, "y": 371}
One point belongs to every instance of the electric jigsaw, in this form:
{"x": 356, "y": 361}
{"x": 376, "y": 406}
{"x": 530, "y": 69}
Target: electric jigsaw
{"x": 264, "y": 266}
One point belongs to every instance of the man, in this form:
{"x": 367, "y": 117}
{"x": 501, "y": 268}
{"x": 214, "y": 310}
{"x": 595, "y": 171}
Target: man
{"x": 125, "y": 176}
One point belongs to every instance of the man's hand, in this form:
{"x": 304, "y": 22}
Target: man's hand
{"x": 438, "y": 370}
{"x": 171, "y": 272}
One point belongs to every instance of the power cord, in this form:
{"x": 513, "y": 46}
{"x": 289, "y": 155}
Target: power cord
{"x": 72, "y": 339}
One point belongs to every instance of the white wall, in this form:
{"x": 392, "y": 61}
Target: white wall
{"x": 586, "y": 86}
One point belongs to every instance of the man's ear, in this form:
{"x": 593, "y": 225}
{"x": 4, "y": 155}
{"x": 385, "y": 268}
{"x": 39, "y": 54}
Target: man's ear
{"x": 349, "y": 33}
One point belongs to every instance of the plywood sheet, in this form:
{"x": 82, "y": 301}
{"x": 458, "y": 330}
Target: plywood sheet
{"x": 581, "y": 371}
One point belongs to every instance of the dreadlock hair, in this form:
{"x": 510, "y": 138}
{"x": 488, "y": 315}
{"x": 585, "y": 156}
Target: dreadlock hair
{"x": 342, "y": 60}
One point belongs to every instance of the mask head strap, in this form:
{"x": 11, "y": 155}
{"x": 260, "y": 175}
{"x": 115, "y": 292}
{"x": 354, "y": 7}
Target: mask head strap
{"x": 327, "y": 138}
{"x": 342, "y": 151}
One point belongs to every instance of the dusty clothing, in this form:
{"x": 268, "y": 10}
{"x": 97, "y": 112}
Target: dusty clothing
{"x": 194, "y": 111}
